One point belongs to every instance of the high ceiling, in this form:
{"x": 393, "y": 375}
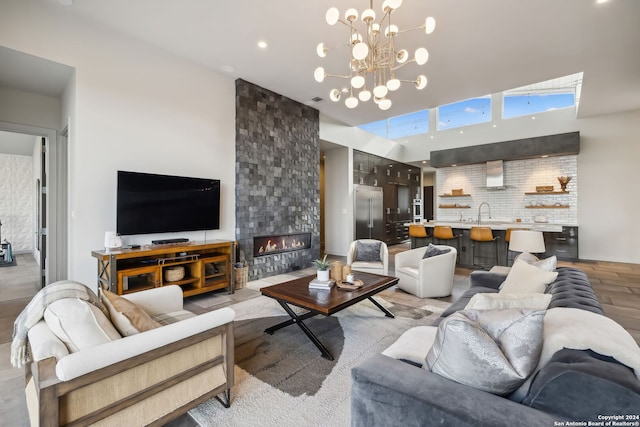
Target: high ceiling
{"x": 479, "y": 46}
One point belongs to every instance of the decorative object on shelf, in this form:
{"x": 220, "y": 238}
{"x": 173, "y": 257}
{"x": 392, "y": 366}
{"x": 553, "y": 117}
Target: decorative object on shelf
{"x": 457, "y": 192}
{"x": 173, "y": 274}
{"x": 564, "y": 180}
{"x": 373, "y": 56}
{"x": 323, "y": 266}
{"x": 544, "y": 188}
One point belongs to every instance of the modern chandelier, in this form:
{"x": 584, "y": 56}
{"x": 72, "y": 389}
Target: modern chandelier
{"x": 373, "y": 57}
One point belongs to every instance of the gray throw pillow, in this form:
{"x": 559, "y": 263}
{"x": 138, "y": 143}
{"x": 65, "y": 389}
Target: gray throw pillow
{"x": 433, "y": 250}
{"x": 491, "y": 350}
{"x": 368, "y": 251}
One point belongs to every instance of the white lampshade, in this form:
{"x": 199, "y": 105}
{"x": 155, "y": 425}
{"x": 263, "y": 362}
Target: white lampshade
{"x": 375, "y": 29}
{"x": 389, "y": 5}
{"x": 319, "y": 74}
{"x": 421, "y": 82}
{"x": 351, "y": 102}
{"x": 360, "y": 51}
{"x": 380, "y": 91}
{"x": 391, "y": 30}
{"x": 429, "y": 25}
{"x": 351, "y": 15}
{"x": 402, "y": 56}
{"x": 368, "y": 15}
{"x": 332, "y": 16}
{"x": 422, "y": 56}
{"x": 357, "y": 82}
{"x": 526, "y": 241}
{"x": 364, "y": 95}
{"x": 384, "y": 104}
{"x": 393, "y": 84}
{"x": 334, "y": 95}
{"x": 321, "y": 50}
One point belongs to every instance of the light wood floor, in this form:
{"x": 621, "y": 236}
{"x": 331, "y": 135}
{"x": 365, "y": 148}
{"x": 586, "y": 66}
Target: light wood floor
{"x": 617, "y": 286}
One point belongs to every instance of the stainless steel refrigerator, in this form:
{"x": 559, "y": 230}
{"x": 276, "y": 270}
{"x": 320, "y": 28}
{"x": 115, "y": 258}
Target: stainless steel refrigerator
{"x": 369, "y": 212}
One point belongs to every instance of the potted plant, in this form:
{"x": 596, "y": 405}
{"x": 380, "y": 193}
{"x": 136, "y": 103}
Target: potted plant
{"x": 323, "y": 266}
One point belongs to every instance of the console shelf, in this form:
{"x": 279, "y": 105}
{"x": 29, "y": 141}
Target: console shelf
{"x": 208, "y": 267}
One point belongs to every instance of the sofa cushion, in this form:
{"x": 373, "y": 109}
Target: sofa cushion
{"x": 413, "y": 345}
{"x": 599, "y": 383}
{"x": 79, "y": 324}
{"x": 126, "y": 316}
{"x": 491, "y": 350}
{"x": 572, "y": 290}
{"x": 493, "y": 301}
{"x": 368, "y": 251}
{"x": 464, "y": 300}
{"x": 432, "y": 250}
{"x": 527, "y": 278}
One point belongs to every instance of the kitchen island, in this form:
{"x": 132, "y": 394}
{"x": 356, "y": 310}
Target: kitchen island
{"x": 560, "y": 240}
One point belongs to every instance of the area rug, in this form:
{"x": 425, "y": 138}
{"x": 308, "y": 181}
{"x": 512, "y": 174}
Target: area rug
{"x": 281, "y": 379}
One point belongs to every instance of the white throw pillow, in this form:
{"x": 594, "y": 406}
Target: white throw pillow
{"x": 492, "y": 301}
{"x": 413, "y": 345}
{"x": 548, "y": 264}
{"x": 79, "y": 324}
{"x": 527, "y": 278}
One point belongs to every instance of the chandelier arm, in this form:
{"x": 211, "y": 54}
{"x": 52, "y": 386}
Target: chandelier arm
{"x": 409, "y": 61}
{"x": 337, "y": 75}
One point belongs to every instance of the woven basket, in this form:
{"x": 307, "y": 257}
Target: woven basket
{"x": 173, "y": 274}
{"x": 241, "y": 276}
{"x": 457, "y": 192}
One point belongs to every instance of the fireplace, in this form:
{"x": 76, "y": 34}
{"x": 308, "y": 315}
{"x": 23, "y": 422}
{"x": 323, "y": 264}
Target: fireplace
{"x": 278, "y": 243}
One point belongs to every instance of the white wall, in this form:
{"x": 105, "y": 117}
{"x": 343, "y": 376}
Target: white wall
{"x": 338, "y": 204}
{"x": 133, "y": 108}
{"x": 16, "y": 201}
{"x": 17, "y": 106}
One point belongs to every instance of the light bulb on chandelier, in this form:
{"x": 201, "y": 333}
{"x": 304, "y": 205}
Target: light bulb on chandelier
{"x": 373, "y": 56}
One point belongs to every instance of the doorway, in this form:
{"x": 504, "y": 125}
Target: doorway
{"x": 50, "y": 201}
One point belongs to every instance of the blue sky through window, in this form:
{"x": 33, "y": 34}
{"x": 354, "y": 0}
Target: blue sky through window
{"x": 522, "y": 105}
{"x": 400, "y": 126}
{"x": 464, "y": 113}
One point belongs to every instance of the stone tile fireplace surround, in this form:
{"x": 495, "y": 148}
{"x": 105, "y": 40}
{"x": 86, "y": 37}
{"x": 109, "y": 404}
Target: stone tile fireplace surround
{"x": 277, "y": 177}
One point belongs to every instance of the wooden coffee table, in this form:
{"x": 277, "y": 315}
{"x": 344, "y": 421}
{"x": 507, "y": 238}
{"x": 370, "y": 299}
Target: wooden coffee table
{"x": 326, "y": 302}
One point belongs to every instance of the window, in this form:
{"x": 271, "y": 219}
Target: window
{"x": 400, "y": 126}
{"x": 562, "y": 92}
{"x": 464, "y": 113}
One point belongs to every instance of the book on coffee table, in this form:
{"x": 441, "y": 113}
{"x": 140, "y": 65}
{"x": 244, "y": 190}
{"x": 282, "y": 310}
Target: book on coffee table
{"x": 321, "y": 284}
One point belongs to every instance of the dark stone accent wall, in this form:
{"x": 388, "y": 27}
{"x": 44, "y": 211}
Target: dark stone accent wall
{"x": 277, "y": 176}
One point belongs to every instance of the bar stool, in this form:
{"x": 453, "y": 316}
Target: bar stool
{"x": 507, "y": 239}
{"x": 418, "y": 235}
{"x": 443, "y": 234}
{"x": 482, "y": 235}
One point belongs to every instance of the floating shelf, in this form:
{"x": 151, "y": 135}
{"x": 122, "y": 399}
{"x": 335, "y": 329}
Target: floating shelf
{"x": 542, "y": 193}
{"x": 548, "y": 207}
{"x": 453, "y": 207}
{"x": 455, "y": 195}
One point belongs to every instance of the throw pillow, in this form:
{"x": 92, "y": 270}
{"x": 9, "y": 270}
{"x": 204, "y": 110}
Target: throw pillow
{"x": 493, "y": 301}
{"x": 527, "y": 278}
{"x": 127, "y": 317}
{"x": 368, "y": 251}
{"x": 413, "y": 345}
{"x": 491, "y": 350}
{"x": 547, "y": 264}
{"x": 433, "y": 250}
{"x": 79, "y": 324}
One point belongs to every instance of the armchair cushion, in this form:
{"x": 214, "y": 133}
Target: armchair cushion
{"x": 127, "y": 317}
{"x": 368, "y": 251}
{"x": 79, "y": 324}
{"x": 433, "y": 250}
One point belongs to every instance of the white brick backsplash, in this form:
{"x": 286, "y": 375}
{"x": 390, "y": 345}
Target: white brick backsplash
{"x": 520, "y": 177}
{"x": 16, "y": 201}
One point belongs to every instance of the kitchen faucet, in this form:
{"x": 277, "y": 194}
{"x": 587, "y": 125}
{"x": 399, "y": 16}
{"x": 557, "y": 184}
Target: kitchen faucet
{"x": 480, "y": 211}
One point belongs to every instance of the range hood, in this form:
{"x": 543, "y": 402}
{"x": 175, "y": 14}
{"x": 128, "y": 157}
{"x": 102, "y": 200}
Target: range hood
{"x": 495, "y": 175}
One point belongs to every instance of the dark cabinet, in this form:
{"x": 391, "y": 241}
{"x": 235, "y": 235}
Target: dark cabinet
{"x": 563, "y": 244}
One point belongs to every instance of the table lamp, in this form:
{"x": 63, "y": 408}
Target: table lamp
{"x": 526, "y": 241}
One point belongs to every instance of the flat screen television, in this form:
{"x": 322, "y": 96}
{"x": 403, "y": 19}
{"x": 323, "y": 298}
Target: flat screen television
{"x": 149, "y": 203}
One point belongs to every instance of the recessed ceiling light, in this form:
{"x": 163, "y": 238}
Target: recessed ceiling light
{"x": 601, "y": 1}
{"x": 262, "y": 44}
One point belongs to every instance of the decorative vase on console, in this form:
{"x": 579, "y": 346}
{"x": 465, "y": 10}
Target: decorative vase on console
{"x": 564, "y": 180}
